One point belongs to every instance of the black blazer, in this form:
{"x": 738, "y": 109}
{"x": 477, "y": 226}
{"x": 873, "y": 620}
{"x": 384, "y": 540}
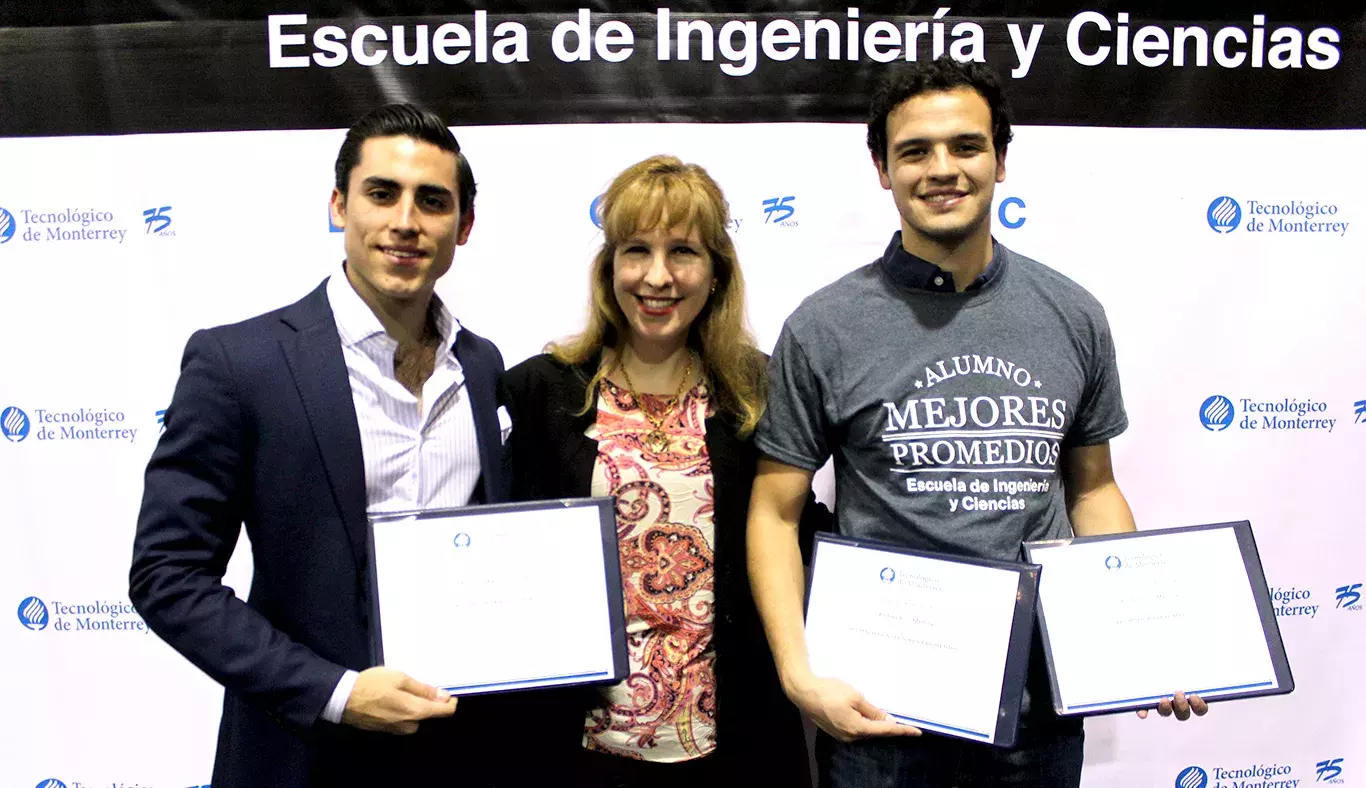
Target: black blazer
{"x": 759, "y": 732}
{"x": 261, "y": 431}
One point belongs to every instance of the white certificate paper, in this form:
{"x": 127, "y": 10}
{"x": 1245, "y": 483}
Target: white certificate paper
{"x": 1130, "y": 621}
{"x": 924, "y": 639}
{"x": 496, "y": 601}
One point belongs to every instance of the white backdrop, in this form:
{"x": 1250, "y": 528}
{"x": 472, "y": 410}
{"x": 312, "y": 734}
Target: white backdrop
{"x": 93, "y": 327}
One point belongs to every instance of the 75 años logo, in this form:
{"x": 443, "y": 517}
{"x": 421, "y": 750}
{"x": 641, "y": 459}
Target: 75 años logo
{"x": 1329, "y": 771}
{"x": 779, "y": 210}
{"x": 158, "y": 220}
{"x": 1349, "y": 596}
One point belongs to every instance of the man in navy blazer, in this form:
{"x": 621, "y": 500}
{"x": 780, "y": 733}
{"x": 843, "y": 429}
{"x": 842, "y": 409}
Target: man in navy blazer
{"x": 365, "y": 396}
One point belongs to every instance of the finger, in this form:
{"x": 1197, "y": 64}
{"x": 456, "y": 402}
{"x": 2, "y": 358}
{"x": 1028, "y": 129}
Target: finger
{"x": 1164, "y": 707}
{"x": 1143, "y": 714}
{"x": 834, "y": 730}
{"x": 891, "y": 728}
{"x": 430, "y": 709}
{"x": 868, "y": 710}
{"x": 412, "y": 686}
{"x": 1199, "y": 706}
{"x": 1181, "y": 706}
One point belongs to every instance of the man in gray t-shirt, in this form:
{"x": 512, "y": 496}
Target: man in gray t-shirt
{"x": 967, "y": 394}
{"x": 949, "y": 411}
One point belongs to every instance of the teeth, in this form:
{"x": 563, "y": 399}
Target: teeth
{"x": 403, "y": 253}
{"x": 942, "y": 197}
{"x": 657, "y": 303}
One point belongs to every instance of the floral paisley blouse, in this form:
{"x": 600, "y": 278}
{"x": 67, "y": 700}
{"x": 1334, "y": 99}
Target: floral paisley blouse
{"x": 665, "y": 711}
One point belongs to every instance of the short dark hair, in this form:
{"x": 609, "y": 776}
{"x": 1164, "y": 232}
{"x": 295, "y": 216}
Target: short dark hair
{"x": 405, "y": 120}
{"x": 908, "y": 80}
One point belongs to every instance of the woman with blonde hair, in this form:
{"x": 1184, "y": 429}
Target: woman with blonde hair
{"x": 655, "y": 403}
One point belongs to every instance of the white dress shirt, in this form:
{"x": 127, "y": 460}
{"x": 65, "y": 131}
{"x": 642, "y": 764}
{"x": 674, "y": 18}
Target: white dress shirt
{"x": 420, "y": 452}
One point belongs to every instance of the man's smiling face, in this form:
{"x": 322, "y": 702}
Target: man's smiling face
{"x": 941, "y": 167}
{"x": 401, "y": 217}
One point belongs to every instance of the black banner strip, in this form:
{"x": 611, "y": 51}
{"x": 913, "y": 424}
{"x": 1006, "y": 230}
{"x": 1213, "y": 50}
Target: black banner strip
{"x": 293, "y": 69}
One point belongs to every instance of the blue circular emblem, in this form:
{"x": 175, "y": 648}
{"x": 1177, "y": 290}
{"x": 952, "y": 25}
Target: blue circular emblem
{"x": 1216, "y": 413}
{"x": 14, "y": 424}
{"x": 33, "y": 613}
{"x": 595, "y": 211}
{"x": 1224, "y": 215}
{"x": 51, "y": 782}
{"x": 6, "y": 226}
{"x": 1192, "y": 777}
{"x": 1113, "y": 562}
{"x": 887, "y": 574}
{"x": 462, "y": 540}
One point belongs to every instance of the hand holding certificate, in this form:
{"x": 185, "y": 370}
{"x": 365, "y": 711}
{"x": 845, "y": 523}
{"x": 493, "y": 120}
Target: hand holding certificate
{"x": 936, "y": 642}
{"x": 496, "y": 598}
{"x": 1126, "y": 619}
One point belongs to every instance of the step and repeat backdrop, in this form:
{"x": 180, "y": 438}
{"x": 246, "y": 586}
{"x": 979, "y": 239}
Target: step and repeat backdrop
{"x": 166, "y": 167}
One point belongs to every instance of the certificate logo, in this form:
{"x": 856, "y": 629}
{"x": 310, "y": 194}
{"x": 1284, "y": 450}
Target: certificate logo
{"x": 33, "y": 614}
{"x": 462, "y": 540}
{"x": 1224, "y": 215}
{"x": 14, "y": 424}
{"x": 1329, "y": 771}
{"x": 1113, "y": 562}
{"x": 1192, "y": 777}
{"x": 1349, "y": 596}
{"x": 1216, "y": 413}
{"x": 887, "y": 574}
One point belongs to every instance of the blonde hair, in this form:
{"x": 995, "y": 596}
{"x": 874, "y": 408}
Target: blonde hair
{"x": 639, "y": 199}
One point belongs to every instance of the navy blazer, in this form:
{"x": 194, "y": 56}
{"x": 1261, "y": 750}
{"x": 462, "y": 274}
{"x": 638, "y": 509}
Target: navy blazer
{"x": 262, "y": 432}
{"x": 759, "y": 732}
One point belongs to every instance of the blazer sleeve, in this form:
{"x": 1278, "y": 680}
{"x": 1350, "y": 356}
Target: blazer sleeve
{"x": 523, "y": 393}
{"x": 195, "y": 497}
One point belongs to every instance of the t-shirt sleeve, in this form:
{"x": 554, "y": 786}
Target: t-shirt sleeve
{"x": 1100, "y": 414}
{"x": 793, "y": 427}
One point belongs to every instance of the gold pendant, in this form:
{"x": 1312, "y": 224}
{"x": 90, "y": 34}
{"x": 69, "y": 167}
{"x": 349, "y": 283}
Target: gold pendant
{"x": 657, "y": 440}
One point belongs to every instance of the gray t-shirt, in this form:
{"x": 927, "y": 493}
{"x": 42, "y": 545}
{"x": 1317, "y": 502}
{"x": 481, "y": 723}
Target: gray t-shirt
{"x": 946, "y": 413}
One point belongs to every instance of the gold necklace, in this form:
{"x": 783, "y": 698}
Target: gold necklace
{"x": 657, "y": 439}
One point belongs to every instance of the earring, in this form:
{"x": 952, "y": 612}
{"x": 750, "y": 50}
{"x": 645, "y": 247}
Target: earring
{"x": 713, "y": 286}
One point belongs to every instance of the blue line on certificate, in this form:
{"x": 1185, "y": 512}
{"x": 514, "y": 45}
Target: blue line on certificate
{"x": 1122, "y": 701}
{"x": 900, "y": 436}
{"x": 516, "y": 682}
{"x": 974, "y": 470}
{"x": 941, "y": 726}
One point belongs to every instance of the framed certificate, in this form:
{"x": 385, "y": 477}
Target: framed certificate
{"x": 1129, "y": 619}
{"x": 485, "y": 599}
{"x": 939, "y": 642}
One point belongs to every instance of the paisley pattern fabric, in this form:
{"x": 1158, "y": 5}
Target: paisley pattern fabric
{"x": 665, "y": 711}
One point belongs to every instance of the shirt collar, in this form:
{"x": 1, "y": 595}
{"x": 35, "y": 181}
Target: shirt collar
{"x": 357, "y": 323}
{"x": 917, "y": 273}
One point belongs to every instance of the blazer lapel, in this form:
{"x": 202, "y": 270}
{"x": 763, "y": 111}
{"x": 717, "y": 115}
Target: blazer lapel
{"x": 315, "y": 360}
{"x": 480, "y": 383}
{"x": 581, "y": 452}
